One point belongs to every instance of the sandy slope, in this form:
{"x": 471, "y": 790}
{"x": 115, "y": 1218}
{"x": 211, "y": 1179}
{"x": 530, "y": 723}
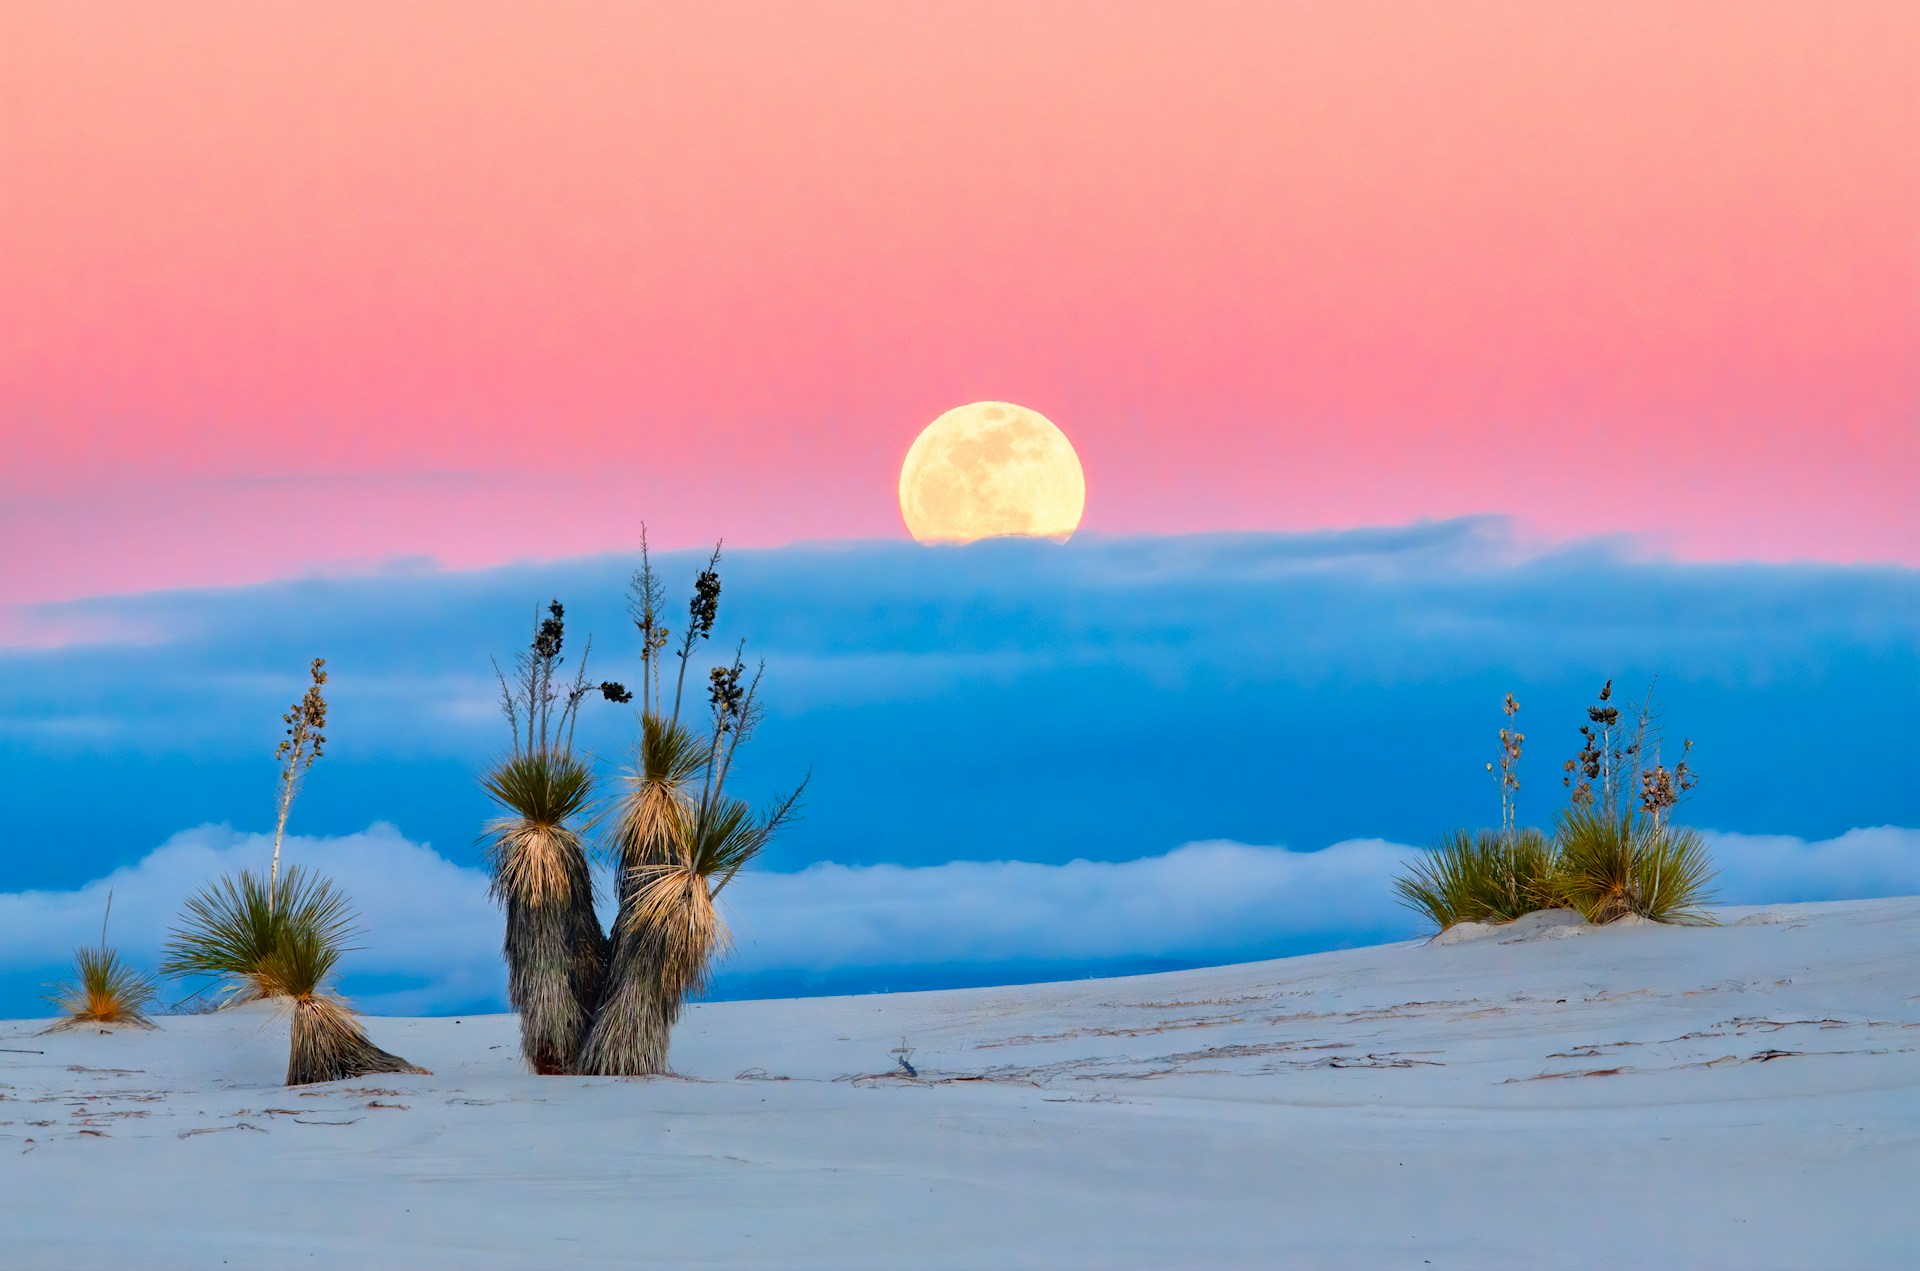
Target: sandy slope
{"x": 1742, "y": 1096}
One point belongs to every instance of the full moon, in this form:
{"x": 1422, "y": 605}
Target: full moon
{"x": 991, "y": 470}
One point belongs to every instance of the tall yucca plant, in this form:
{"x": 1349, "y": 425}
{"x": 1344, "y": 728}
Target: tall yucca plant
{"x": 673, "y": 902}
{"x": 556, "y": 953}
{"x": 555, "y": 950}
{"x": 649, "y": 825}
{"x": 675, "y": 846}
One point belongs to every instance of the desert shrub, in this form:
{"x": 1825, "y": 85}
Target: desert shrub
{"x": 1612, "y": 854}
{"x": 256, "y": 943}
{"x": 1612, "y": 866}
{"x": 104, "y": 990}
{"x": 1483, "y": 877}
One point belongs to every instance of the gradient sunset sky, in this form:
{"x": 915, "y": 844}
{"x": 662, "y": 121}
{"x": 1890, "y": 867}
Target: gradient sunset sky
{"x": 299, "y": 286}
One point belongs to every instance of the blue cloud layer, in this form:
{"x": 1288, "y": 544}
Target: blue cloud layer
{"x": 1106, "y": 700}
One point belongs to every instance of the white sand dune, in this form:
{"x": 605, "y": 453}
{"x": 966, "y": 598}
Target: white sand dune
{"x": 1741, "y": 1096}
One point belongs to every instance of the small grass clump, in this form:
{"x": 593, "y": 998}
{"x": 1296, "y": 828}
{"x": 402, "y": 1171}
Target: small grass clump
{"x": 104, "y": 990}
{"x": 1483, "y": 877}
{"x": 1612, "y": 867}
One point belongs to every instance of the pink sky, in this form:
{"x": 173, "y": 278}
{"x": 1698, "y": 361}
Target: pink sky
{"x": 298, "y": 286}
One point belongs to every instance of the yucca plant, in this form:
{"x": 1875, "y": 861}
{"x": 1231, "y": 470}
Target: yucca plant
{"x": 233, "y": 926}
{"x": 1612, "y": 866}
{"x": 1491, "y": 876}
{"x": 649, "y": 826}
{"x": 673, "y": 902}
{"x": 555, "y": 950}
{"x": 287, "y": 946}
{"x": 104, "y": 989}
{"x": 670, "y": 931}
{"x": 556, "y": 953}
{"x": 1484, "y": 877}
{"x": 676, "y": 848}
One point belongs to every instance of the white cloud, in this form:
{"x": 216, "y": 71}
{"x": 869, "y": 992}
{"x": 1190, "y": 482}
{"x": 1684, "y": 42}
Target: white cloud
{"x": 1765, "y": 869}
{"x": 1200, "y": 900}
{"x": 432, "y": 935}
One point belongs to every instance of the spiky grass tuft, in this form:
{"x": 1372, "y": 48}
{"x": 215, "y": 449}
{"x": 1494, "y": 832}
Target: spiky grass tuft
{"x": 1613, "y": 866}
{"x": 1484, "y": 877}
{"x": 542, "y": 791}
{"x": 104, "y": 990}
{"x": 232, "y": 929}
{"x": 556, "y": 953}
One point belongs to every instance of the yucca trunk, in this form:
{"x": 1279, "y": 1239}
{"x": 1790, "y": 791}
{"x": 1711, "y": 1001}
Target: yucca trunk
{"x": 329, "y": 1046}
{"x": 556, "y": 967}
{"x": 662, "y": 952}
{"x": 667, "y": 935}
{"x": 630, "y": 1030}
{"x": 631, "y": 1033}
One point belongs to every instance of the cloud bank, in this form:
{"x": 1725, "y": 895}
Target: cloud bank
{"x": 1011, "y": 700}
{"x": 432, "y": 936}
